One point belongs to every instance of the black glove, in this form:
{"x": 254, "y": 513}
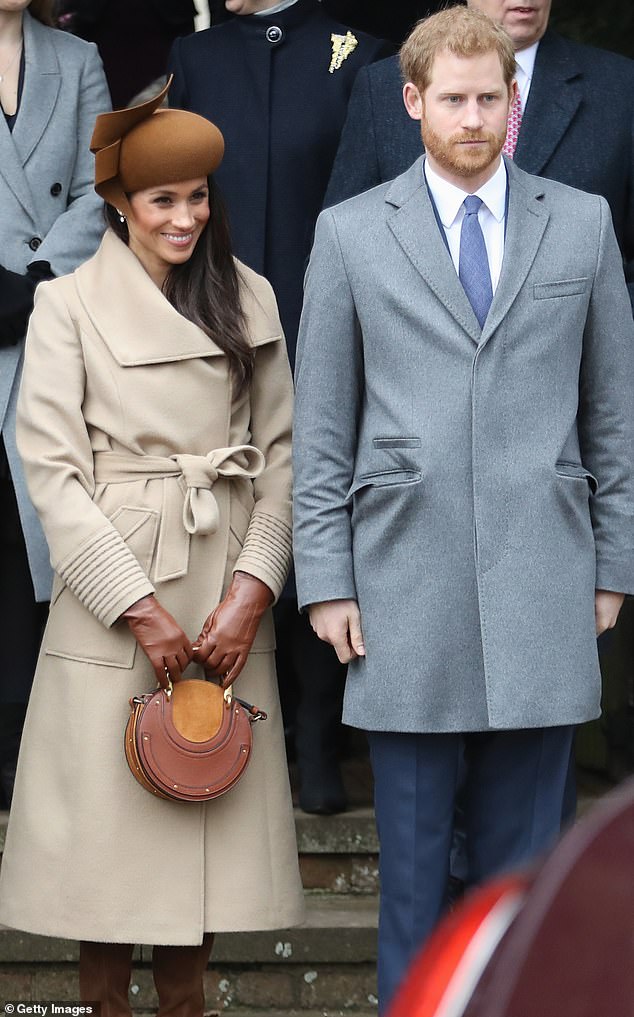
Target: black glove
{"x": 17, "y": 293}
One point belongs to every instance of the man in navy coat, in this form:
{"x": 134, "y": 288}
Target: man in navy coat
{"x": 577, "y": 120}
{"x": 276, "y": 81}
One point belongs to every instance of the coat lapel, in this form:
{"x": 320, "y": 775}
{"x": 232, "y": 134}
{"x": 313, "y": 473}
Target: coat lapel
{"x": 414, "y": 225}
{"x": 135, "y": 321}
{"x": 42, "y": 80}
{"x": 138, "y": 324}
{"x": 526, "y": 222}
{"x": 554, "y": 97}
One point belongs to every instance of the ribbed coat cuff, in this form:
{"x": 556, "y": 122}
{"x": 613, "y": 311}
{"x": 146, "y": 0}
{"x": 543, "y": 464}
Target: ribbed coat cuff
{"x": 105, "y": 576}
{"x": 267, "y": 549}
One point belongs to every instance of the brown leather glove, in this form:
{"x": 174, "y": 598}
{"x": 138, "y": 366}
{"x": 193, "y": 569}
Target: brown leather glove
{"x": 227, "y": 636}
{"x": 161, "y": 638}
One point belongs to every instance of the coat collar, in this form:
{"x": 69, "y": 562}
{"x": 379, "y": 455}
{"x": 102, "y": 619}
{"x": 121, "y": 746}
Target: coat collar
{"x": 138, "y": 324}
{"x": 413, "y": 223}
{"x": 555, "y": 95}
{"x": 291, "y": 18}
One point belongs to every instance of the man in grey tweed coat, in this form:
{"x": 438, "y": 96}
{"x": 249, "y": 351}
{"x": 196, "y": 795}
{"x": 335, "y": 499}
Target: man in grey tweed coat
{"x": 464, "y": 447}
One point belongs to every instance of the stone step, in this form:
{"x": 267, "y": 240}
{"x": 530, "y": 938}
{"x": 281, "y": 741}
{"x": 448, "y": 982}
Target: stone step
{"x": 339, "y": 853}
{"x": 291, "y": 1013}
{"x": 329, "y": 1012}
{"x": 302, "y": 990}
{"x": 305, "y": 991}
{"x": 328, "y": 964}
{"x": 338, "y": 929}
{"x": 351, "y": 832}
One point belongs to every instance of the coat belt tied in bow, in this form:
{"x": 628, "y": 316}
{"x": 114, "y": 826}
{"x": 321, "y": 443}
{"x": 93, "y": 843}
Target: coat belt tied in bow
{"x": 200, "y": 513}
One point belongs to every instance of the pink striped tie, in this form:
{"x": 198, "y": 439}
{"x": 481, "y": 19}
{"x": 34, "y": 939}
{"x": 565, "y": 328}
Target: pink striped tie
{"x": 513, "y": 125}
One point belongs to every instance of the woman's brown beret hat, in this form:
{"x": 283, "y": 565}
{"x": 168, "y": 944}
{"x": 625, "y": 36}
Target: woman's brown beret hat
{"x": 145, "y": 146}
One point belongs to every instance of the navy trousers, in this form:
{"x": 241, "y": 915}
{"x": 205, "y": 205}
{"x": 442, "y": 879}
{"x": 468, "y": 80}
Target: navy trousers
{"x": 513, "y": 801}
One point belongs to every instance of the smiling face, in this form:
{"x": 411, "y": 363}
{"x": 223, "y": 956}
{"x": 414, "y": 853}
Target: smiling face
{"x": 525, "y": 23}
{"x": 166, "y": 223}
{"x": 463, "y": 114}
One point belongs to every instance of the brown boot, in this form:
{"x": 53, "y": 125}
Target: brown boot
{"x": 105, "y": 970}
{"x": 178, "y": 977}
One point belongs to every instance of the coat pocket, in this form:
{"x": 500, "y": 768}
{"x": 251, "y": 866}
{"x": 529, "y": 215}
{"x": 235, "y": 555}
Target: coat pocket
{"x": 139, "y": 528}
{"x": 386, "y": 478}
{"x": 240, "y": 512}
{"x": 396, "y": 442}
{"x": 575, "y": 471}
{"x": 564, "y": 288}
{"x": 73, "y": 632}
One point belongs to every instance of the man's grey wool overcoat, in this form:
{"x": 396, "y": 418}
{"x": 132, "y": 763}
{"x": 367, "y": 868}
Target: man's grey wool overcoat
{"x": 469, "y": 487}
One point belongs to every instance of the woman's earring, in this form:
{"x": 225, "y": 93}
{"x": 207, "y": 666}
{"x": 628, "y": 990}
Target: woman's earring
{"x": 121, "y": 216}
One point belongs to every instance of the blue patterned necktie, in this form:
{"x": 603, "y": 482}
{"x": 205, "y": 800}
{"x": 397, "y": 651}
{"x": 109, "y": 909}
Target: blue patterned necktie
{"x": 473, "y": 266}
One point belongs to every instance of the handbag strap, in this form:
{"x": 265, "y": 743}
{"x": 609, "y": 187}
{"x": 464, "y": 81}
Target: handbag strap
{"x": 254, "y": 711}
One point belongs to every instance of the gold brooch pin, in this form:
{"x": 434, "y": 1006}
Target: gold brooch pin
{"x": 342, "y": 47}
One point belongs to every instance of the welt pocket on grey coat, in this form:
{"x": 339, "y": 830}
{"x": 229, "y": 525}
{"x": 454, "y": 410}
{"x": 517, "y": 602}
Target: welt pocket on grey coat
{"x": 563, "y": 288}
{"x": 575, "y": 471}
{"x": 396, "y": 442}
{"x": 385, "y": 478}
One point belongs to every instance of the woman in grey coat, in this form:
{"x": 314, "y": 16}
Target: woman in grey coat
{"x": 51, "y": 88}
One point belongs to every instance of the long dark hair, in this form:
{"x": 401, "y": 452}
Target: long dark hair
{"x": 206, "y": 288}
{"x": 43, "y": 11}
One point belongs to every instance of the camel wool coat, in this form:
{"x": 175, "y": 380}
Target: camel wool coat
{"x": 148, "y": 475}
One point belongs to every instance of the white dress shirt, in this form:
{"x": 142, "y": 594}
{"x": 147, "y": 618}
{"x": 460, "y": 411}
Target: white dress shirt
{"x": 525, "y": 61}
{"x": 449, "y": 199}
{"x": 275, "y": 10}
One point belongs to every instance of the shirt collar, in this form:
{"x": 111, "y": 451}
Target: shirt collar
{"x": 275, "y": 10}
{"x": 448, "y": 198}
{"x": 525, "y": 60}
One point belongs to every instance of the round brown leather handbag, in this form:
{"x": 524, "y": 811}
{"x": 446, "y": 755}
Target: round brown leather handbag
{"x": 190, "y": 742}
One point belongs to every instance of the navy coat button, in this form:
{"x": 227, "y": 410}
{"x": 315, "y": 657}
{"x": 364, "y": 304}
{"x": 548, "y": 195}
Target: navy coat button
{"x": 274, "y": 34}
{"x": 34, "y": 243}
{"x": 56, "y": 189}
